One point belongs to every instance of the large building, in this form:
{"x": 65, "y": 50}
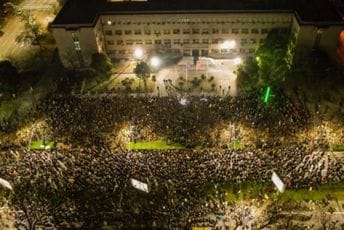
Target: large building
{"x": 215, "y": 28}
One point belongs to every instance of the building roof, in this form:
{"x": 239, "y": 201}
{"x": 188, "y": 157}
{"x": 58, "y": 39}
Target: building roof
{"x": 81, "y": 12}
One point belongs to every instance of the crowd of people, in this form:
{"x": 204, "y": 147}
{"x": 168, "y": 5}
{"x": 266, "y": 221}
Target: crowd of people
{"x": 88, "y": 184}
{"x": 87, "y": 119}
{"x": 76, "y": 184}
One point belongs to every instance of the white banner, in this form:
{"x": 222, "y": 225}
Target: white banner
{"x": 139, "y": 185}
{"x": 278, "y": 182}
{"x": 6, "y": 184}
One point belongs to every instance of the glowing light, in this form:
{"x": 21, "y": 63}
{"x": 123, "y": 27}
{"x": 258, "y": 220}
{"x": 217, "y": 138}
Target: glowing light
{"x": 267, "y": 94}
{"x": 237, "y": 60}
{"x": 138, "y": 53}
{"x": 155, "y": 61}
{"x": 229, "y": 44}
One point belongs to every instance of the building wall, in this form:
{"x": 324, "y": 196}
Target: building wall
{"x": 209, "y": 34}
{"x": 76, "y": 45}
{"x": 308, "y": 37}
{"x": 185, "y": 33}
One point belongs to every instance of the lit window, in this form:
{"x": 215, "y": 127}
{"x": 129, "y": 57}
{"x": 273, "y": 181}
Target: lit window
{"x": 77, "y": 45}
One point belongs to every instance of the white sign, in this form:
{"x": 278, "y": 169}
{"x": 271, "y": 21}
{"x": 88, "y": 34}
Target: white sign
{"x": 278, "y": 182}
{"x": 139, "y": 185}
{"x": 6, "y": 184}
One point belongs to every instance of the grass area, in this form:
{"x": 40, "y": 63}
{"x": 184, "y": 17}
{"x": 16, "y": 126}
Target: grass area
{"x": 255, "y": 190}
{"x": 235, "y": 145}
{"x": 338, "y": 148}
{"x": 154, "y": 145}
{"x": 40, "y": 145}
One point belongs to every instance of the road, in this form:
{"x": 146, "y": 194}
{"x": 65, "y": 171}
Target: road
{"x": 42, "y": 10}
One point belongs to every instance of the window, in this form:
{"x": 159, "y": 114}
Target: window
{"x": 186, "y": 31}
{"x": 76, "y": 42}
{"x": 77, "y": 46}
{"x": 129, "y": 42}
{"x": 147, "y": 32}
{"x": 157, "y": 42}
{"x": 110, "y": 42}
{"x": 244, "y": 31}
{"x": 264, "y": 31}
{"x": 127, "y": 32}
{"x": 186, "y": 52}
{"x": 195, "y": 41}
{"x": 139, "y": 42}
{"x": 215, "y": 31}
{"x": 214, "y": 41}
{"x": 243, "y": 41}
{"x": 157, "y": 32}
{"x": 167, "y": 41}
{"x": 261, "y": 40}
{"x": 205, "y": 31}
{"x": 195, "y": 31}
{"x": 108, "y": 32}
{"x": 255, "y": 31}
{"x": 205, "y": 41}
{"x": 166, "y": 31}
{"x": 225, "y": 31}
{"x": 148, "y": 42}
{"x": 235, "y": 31}
{"x": 120, "y": 42}
{"x": 224, "y": 51}
{"x": 215, "y": 51}
{"x": 176, "y": 31}
{"x": 251, "y": 51}
{"x": 242, "y": 51}
{"x": 253, "y": 41}
{"x": 137, "y": 32}
{"x": 186, "y": 41}
{"x": 118, "y": 32}
{"x": 176, "y": 41}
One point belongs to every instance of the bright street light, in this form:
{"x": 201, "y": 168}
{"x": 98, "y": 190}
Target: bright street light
{"x": 155, "y": 62}
{"x": 237, "y": 60}
{"x": 138, "y": 53}
{"x": 229, "y": 44}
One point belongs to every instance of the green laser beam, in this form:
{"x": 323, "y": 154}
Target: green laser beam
{"x": 267, "y": 94}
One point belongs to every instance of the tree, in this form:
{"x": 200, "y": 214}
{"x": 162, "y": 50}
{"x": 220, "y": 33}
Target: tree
{"x": 8, "y": 76}
{"x": 142, "y": 71}
{"x": 32, "y": 31}
{"x": 101, "y": 63}
{"x": 270, "y": 65}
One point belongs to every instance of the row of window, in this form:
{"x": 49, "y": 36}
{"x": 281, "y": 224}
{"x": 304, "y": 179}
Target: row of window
{"x": 188, "y": 51}
{"x": 243, "y": 41}
{"x": 188, "y": 31}
{"x": 202, "y": 21}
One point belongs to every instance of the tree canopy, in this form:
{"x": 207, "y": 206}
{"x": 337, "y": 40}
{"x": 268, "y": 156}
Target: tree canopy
{"x": 101, "y": 63}
{"x": 269, "y": 66}
{"x": 8, "y": 76}
{"x": 142, "y": 71}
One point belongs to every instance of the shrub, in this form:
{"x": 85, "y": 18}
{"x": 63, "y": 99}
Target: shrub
{"x": 153, "y": 78}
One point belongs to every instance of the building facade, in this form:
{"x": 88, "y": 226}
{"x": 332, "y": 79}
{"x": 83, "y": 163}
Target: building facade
{"x": 220, "y": 29}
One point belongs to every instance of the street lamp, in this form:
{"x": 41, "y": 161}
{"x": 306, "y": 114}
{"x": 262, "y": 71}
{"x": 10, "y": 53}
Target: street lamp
{"x": 138, "y": 53}
{"x": 229, "y": 44}
{"x": 155, "y": 62}
{"x": 237, "y": 60}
